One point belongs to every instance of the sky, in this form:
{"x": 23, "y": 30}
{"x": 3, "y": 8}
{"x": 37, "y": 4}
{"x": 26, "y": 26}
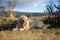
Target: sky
{"x": 32, "y": 5}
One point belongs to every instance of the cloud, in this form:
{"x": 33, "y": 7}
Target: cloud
{"x": 43, "y": 5}
{"x": 32, "y": 3}
{"x": 27, "y": 3}
{"x": 35, "y": 5}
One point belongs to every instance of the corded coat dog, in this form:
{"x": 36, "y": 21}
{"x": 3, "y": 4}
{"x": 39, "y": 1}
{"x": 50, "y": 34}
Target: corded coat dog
{"x": 24, "y": 23}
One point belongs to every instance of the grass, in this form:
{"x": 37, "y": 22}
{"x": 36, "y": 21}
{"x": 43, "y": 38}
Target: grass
{"x": 32, "y": 34}
{"x": 39, "y": 17}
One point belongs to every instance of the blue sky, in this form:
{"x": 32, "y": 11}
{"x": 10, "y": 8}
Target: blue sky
{"x": 32, "y": 5}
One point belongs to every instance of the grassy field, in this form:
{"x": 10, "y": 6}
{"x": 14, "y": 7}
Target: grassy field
{"x": 32, "y": 34}
{"x": 39, "y": 17}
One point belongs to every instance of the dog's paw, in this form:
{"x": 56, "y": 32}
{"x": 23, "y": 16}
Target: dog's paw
{"x": 21, "y": 29}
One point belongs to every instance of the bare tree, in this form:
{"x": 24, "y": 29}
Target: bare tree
{"x": 50, "y": 9}
{"x": 2, "y": 8}
{"x": 58, "y": 10}
{"x": 11, "y": 4}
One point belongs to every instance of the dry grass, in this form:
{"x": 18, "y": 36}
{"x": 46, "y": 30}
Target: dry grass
{"x": 39, "y": 18}
{"x": 32, "y": 34}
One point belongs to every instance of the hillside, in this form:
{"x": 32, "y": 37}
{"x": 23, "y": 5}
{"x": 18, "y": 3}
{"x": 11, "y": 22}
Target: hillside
{"x": 23, "y": 13}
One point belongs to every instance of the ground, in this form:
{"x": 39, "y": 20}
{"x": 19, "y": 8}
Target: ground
{"x": 32, "y": 34}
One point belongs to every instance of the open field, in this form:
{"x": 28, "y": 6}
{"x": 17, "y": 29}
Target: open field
{"x": 42, "y": 17}
{"x": 39, "y": 17}
{"x": 32, "y": 34}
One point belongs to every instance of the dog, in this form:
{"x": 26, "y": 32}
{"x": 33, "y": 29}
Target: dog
{"x": 24, "y": 23}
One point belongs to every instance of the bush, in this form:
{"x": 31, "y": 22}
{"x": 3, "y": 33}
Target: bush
{"x": 6, "y": 23}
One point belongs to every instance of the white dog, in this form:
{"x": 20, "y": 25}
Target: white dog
{"x": 24, "y": 23}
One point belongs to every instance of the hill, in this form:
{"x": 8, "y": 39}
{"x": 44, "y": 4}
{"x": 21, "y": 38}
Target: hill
{"x": 23, "y": 13}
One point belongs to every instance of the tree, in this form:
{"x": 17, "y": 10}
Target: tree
{"x": 2, "y": 9}
{"x": 58, "y": 10}
{"x": 57, "y": 6}
{"x": 11, "y": 4}
{"x": 50, "y": 9}
{"x": 55, "y": 21}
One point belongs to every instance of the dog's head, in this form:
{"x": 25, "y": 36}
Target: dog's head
{"x": 23, "y": 19}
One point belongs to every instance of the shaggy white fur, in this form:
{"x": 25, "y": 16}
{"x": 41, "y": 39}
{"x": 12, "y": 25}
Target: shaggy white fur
{"x": 24, "y": 23}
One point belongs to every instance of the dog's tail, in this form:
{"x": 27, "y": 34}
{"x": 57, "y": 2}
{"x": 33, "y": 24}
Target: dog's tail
{"x": 46, "y": 26}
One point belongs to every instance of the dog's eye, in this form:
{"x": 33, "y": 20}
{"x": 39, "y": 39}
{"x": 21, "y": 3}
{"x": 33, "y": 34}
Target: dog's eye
{"x": 23, "y": 20}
